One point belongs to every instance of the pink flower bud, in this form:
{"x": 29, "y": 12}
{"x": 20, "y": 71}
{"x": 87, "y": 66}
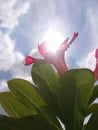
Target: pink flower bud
{"x": 56, "y": 58}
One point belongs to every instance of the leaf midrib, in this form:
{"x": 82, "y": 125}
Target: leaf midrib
{"x": 45, "y": 115}
{"x": 11, "y": 107}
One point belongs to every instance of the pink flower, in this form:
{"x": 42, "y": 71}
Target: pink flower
{"x": 56, "y": 58}
{"x": 96, "y": 68}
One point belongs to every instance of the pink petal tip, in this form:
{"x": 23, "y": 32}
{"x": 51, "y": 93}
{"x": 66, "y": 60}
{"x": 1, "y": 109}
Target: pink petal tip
{"x": 96, "y": 53}
{"x": 29, "y": 60}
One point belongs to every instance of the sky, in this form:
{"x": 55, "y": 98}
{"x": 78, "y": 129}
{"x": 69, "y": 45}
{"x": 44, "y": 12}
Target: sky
{"x": 25, "y": 23}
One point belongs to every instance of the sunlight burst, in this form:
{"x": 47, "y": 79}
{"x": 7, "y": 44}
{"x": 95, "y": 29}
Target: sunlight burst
{"x": 53, "y": 39}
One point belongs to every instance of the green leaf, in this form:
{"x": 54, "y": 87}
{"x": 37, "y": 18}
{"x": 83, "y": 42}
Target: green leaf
{"x": 46, "y": 82}
{"x": 27, "y": 93}
{"x": 13, "y": 106}
{"x": 94, "y": 94}
{"x": 74, "y": 94}
{"x": 92, "y": 108}
{"x": 35, "y": 122}
{"x": 45, "y": 72}
{"x": 93, "y": 121}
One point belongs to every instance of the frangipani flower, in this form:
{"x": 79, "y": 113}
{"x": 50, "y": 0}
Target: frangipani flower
{"x": 55, "y": 58}
{"x": 96, "y": 68}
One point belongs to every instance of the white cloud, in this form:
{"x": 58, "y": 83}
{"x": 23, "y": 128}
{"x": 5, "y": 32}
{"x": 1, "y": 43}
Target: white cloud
{"x": 9, "y": 15}
{"x": 22, "y": 9}
{"x": 10, "y": 12}
{"x": 34, "y": 53}
{"x": 12, "y": 61}
{"x": 3, "y": 86}
{"x": 20, "y": 71}
{"x": 7, "y": 57}
{"x": 93, "y": 22}
{"x": 88, "y": 61}
{"x": 44, "y": 15}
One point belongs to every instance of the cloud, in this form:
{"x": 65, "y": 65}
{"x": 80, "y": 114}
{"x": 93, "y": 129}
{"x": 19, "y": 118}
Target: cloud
{"x": 64, "y": 16}
{"x": 92, "y": 19}
{"x": 10, "y": 59}
{"x": 44, "y": 14}
{"x": 3, "y": 86}
{"x": 8, "y": 55}
{"x": 88, "y": 61}
{"x": 19, "y": 70}
{"x": 90, "y": 36}
{"x": 7, "y": 58}
{"x": 9, "y": 14}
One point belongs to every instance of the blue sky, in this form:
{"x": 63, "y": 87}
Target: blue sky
{"x": 24, "y": 23}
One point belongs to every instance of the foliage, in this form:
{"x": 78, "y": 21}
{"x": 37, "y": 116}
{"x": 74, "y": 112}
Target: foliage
{"x": 50, "y": 100}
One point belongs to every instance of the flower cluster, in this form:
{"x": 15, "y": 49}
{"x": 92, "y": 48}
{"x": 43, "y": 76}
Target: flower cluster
{"x": 57, "y": 58}
{"x": 96, "y": 68}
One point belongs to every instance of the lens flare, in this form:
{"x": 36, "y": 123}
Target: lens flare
{"x": 53, "y": 39}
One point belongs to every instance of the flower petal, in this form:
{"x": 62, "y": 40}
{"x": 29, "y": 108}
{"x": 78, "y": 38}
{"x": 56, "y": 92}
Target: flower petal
{"x": 57, "y": 58}
{"x": 29, "y": 60}
{"x": 43, "y": 48}
{"x": 96, "y": 54}
{"x": 96, "y": 68}
{"x": 64, "y": 46}
{"x": 74, "y": 37}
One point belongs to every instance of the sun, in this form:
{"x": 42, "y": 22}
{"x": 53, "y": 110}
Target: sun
{"x": 53, "y": 39}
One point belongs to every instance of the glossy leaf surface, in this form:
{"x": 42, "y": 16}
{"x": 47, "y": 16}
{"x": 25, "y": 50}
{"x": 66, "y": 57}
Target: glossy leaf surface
{"x": 35, "y": 122}
{"x": 94, "y": 94}
{"x": 93, "y": 121}
{"x": 47, "y": 84}
{"x": 27, "y": 93}
{"x": 74, "y": 94}
{"x": 13, "y": 106}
